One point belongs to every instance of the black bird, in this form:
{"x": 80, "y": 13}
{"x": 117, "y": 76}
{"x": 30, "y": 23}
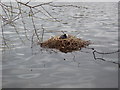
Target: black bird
{"x": 63, "y": 36}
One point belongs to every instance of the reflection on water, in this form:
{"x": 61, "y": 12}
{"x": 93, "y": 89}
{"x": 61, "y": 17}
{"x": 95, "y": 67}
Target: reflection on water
{"x": 41, "y": 68}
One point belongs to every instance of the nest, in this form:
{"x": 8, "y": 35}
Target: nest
{"x": 69, "y": 44}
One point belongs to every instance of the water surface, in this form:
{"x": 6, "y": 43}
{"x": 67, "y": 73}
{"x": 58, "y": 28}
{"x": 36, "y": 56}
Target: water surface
{"x": 26, "y": 67}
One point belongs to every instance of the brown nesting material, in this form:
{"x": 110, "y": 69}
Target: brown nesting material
{"x": 69, "y": 44}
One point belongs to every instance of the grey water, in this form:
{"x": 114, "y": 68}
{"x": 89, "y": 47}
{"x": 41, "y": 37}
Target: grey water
{"x": 26, "y": 67}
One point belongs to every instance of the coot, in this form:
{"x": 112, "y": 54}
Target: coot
{"x": 63, "y": 36}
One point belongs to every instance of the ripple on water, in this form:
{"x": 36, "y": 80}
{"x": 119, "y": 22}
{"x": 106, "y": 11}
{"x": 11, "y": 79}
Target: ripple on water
{"x": 64, "y": 75}
{"x": 112, "y": 69}
{"x": 29, "y": 76}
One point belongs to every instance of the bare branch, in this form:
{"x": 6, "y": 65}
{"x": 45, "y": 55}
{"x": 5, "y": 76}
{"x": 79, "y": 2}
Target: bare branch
{"x": 34, "y": 25}
{"x": 25, "y": 4}
{"x": 96, "y": 58}
{"x": 41, "y": 4}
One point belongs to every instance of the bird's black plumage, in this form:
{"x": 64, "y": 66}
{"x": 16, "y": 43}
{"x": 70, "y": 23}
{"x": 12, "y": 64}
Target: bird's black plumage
{"x": 63, "y": 36}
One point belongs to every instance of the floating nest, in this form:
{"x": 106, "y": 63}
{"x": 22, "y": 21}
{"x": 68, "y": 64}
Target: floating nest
{"x": 68, "y": 44}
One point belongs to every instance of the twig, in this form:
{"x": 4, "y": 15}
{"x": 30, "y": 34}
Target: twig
{"x": 73, "y": 57}
{"x": 3, "y": 37}
{"x": 41, "y": 4}
{"x": 20, "y": 11}
{"x": 34, "y": 25}
{"x": 32, "y": 41}
{"x": 94, "y": 55}
{"x": 25, "y": 4}
{"x": 50, "y": 14}
{"x": 107, "y": 52}
{"x": 28, "y": 2}
{"x": 42, "y": 33}
{"x": 18, "y": 33}
{"x": 65, "y": 6}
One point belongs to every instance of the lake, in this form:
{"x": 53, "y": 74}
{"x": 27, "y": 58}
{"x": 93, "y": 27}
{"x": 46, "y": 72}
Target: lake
{"x": 24, "y": 66}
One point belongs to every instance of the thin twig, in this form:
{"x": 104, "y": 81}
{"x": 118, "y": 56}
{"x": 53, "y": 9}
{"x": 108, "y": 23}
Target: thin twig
{"x": 3, "y": 37}
{"x": 34, "y": 25}
{"x": 41, "y": 4}
{"x": 96, "y": 58}
{"x": 50, "y": 14}
{"x": 42, "y": 33}
{"x": 19, "y": 7}
{"x": 18, "y": 33}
